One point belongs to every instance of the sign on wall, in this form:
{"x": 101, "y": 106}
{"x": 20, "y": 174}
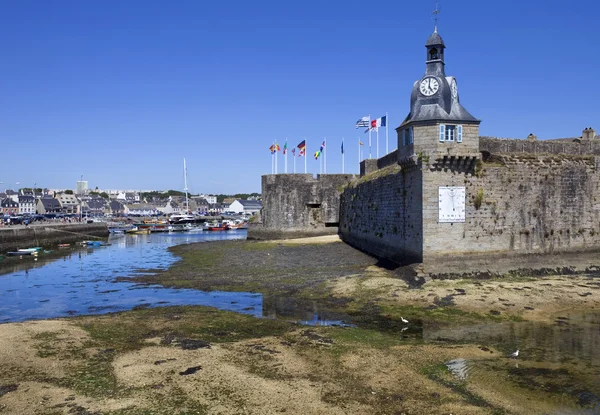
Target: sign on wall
{"x": 451, "y": 204}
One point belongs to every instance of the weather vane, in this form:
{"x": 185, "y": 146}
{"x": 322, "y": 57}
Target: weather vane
{"x": 436, "y": 12}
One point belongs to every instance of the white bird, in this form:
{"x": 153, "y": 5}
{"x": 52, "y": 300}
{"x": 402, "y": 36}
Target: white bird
{"x": 405, "y": 321}
{"x": 403, "y": 329}
{"x": 514, "y": 355}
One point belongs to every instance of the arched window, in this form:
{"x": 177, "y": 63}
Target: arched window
{"x": 433, "y": 54}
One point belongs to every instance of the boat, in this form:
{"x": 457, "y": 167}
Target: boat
{"x": 137, "y": 231}
{"x": 36, "y": 249}
{"x": 22, "y": 253}
{"x": 96, "y": 243}
{"x": 217, "y": 227}
{"x": 64, "y": 245}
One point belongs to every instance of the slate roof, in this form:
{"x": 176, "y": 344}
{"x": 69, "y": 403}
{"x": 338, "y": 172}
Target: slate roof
{"x": 50, "y": 203}
{"x": 96, "y": 204}
{"x": 116, "y": 206}
{"x": 26, "y": 199}
{"x": 8, "y": 203}
{"x": 250, "y": 204}
{"x": 435, "y": 40}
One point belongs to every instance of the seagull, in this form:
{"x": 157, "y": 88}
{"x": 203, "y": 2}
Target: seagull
{"x": 405, "y": 321}
{"x": 514, "y": 355}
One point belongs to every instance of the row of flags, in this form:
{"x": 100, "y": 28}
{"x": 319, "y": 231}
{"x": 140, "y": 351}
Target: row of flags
{"x": 301, "y": 149}
{"x": 372, "y": 124}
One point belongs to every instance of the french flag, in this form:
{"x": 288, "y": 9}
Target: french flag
{"x": 379, "y": 122}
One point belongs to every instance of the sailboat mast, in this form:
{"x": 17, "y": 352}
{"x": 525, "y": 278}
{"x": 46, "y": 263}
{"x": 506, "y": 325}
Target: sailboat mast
{"x": 187, "y": 205}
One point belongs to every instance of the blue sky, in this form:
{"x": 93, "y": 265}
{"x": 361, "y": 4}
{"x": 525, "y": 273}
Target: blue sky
{"x": 121, "y": 91}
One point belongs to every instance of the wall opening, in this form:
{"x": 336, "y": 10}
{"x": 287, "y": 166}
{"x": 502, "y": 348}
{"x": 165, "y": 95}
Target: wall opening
{"x": 313, "y": 205}
{"x": 332, "y": 225}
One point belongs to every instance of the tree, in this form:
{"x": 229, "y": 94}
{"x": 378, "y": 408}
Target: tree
{"x": 68, "y": 192}
{"x": 104, "y": 195}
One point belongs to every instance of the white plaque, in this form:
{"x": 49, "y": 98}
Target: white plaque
{"x": 451, "y": 204}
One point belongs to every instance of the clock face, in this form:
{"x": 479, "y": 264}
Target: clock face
{"x": 451, "y": 204}
{"x": 429, "y": 86}
{"x": 454, "y": 89}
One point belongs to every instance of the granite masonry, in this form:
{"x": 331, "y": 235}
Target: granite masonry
{"x": 299, "y": 205}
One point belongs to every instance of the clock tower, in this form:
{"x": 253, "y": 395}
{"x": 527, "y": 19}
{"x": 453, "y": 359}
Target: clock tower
{"x": 438, "y": 125}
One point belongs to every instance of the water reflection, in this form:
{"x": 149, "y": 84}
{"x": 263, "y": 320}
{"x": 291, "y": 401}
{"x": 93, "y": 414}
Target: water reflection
{"x": 79, "y": 280}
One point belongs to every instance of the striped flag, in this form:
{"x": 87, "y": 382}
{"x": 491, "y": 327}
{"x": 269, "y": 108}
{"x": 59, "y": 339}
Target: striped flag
{"x": 294, "y": 152}
{"x": 285, "y": 148}
{"x": 363, "y": 122}
{"x": 317, "y": 154}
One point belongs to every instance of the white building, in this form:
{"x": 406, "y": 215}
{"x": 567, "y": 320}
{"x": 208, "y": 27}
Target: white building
{"x": 82, "y": 187}
{"x": 210, "y": 199}
{"x": 249, "y": 207}
{"x": 26, "y": 204}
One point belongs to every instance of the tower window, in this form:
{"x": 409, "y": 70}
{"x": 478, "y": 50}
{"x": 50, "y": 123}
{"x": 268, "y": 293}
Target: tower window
{"x": 433, "y": 54}
{"x": 451, "y": 133}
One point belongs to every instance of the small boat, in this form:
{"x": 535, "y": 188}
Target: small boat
{"x": 96, "y": 243}
{"x": 64, "y": 245}
{"x": 22, "y": 253}
{"x": 36, "y": 249}
{"x": 217, "y": 227}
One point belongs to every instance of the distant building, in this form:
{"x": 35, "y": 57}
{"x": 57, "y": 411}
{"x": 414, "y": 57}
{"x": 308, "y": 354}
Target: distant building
{"x": 202, "y": 205}
{"x": 82, "y": 187}
{"x": 116, "y": 208}
{"x": 69, "y": 203}
{"x": 245, "y": 206}
{"x": 26, "y": 204}
{"x": 141, "y": 209}
{"x": 9, "y": 206}
{"x": 229, "y": 200}
{"x": 48, "y": 205}
{"x": 209, "y": 198}
{"x": 96, "y": 206}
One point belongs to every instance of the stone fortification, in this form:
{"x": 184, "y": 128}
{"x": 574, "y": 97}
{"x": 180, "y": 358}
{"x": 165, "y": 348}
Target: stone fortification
{"x": 13, "y": 238}
{"x": 299, "y": 205}
{"x": 573, "y": 146}
{"x": 515, "y": 204}
{"x": 381, "y": 214}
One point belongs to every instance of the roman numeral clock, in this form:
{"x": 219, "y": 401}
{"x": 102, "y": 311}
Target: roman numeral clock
{"x": 451, "y": 204}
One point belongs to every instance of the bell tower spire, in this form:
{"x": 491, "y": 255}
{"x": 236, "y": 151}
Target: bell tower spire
{"x": 436, "y": 13}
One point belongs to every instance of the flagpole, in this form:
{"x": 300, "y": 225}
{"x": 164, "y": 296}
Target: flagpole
{"x": 377, "y": 131}
{"x": 387, "y": 123}
{"x": 305, "y": 151}
{"x": 285, "y": 158}
{"x": 324, "y": 155}
{"x": 370, "y": 146}
{"x": 342, "y": 155}
{"x": 273, "y": 160}
{"x": 276, "y": 156}
{"x": 359, "y": 152}
{"x": 294, "y": 153}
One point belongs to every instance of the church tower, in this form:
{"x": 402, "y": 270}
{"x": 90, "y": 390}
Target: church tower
{"x": 437, "y": 125}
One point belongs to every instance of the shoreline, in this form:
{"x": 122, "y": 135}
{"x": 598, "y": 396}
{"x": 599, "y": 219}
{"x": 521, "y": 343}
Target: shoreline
{"x": 202, "y": 360}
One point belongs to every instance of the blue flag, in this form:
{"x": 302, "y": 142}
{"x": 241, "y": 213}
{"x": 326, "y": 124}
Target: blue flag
{"x": 342, "y": 147}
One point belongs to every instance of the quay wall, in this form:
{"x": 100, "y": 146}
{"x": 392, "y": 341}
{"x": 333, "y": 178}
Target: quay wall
{"x": 516, "y": 204}
{"x": 13, "y": 238}
{"x": 299, "y": 205}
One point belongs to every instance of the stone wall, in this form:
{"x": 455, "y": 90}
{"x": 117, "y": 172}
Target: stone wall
{"x": 298, "y": 205}
{"x": 381, "y": 214}
{"x": 515, "y": 204}
{"x": 561, "y": 146}
{"x": 13, "y": 238}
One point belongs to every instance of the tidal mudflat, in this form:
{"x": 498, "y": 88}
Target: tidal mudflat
{"x": 452, "y": 356}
